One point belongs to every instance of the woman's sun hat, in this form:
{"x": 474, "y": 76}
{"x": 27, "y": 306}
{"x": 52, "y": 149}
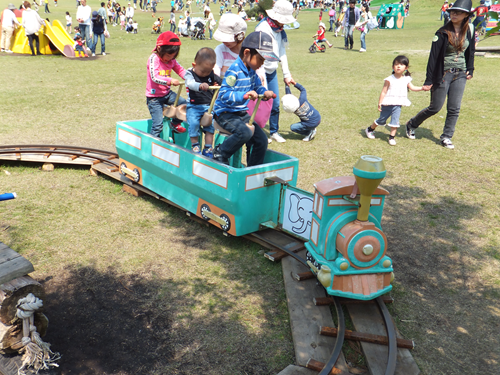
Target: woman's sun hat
{"x": 463, "y": 5}
{"x": 282, "y": 12}
{"x": 232, "y": 28}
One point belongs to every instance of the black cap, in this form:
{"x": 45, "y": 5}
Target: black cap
{"x": 261, "y": 42}
{"x": 463, "y": 5}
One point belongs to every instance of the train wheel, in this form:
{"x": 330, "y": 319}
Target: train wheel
{"x": 312, "y": 49}
{"x": 204, "y": 208}
{"x": 122, "y": 165}
{"x": 322, "y": 47}
{"x": 138, "y": 175}
{"x": 226, "y": 226}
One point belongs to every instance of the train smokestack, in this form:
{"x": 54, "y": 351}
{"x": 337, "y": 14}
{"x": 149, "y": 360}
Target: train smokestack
{"x": 369, "y": 172}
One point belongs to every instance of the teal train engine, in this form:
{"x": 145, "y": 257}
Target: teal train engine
{"x": 347, "y": 247}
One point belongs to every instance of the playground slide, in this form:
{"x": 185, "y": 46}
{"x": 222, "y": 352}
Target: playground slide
{"x": 53, "y": 40}
{"x": 60, "y": 38}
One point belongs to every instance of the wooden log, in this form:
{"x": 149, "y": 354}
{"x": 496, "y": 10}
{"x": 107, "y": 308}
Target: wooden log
{"x": 11, "y": 292}
{"x": 131, "y": 190}
{"x": 11, "y": 335}
{"x": 318, "y": 366}
{"x": 366, "y": 337}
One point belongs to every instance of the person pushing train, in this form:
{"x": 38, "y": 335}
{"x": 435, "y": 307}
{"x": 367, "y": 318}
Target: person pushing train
{"x": 231, "y": 105}
{"x": 198, "y": 80}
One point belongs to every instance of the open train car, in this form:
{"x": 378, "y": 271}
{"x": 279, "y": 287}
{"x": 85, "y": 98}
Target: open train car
{"x": 239, "y": 200}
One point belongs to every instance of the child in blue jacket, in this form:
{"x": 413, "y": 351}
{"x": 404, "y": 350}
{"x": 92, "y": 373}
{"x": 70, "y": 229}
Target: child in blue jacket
{"x": 308, "y": 115}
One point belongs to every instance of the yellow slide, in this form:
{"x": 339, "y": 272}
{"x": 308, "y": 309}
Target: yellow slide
{"x": 54, "y": 39}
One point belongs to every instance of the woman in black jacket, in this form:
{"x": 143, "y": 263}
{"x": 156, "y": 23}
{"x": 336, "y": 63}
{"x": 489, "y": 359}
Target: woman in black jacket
{"x": 98, "y": 26}
{"x": 450, "y": 65}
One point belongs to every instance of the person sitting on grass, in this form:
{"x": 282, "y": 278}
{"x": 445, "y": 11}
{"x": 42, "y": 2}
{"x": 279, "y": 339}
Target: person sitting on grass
{"x": 320, "y": 35}
{"x": 231, "y": 105}
{"x": 198, "y": 80}
{"x": 308, "y": 115}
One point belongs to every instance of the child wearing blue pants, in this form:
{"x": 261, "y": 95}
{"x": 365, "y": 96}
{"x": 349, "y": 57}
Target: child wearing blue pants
{"x": 198, "y": 79}
{"x": 308, "y": 115}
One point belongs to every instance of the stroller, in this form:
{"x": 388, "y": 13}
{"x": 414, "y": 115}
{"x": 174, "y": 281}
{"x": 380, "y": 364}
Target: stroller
{"x": 198, "y": 30}
{"x": 157, "y": 26}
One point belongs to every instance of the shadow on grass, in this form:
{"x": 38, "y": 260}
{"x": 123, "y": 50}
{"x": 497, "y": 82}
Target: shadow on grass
{"x": 107, "y": 323}
{"x": 441, "y": 299}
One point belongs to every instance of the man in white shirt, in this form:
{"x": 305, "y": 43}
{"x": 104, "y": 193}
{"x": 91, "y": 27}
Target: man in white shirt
{"x": 83, "y": 16}
{"x": 9, "y": 22}
{"x": 129, "y": 12}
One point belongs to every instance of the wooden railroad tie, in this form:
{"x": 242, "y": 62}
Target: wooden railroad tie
{"x": 318, "y": 366}
{"x": 366, "y": 337}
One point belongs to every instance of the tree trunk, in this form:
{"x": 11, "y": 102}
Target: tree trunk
{"x": 12, "y": 292}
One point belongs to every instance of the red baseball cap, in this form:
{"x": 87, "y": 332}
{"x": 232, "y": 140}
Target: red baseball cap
{"x": 168, "y": 38}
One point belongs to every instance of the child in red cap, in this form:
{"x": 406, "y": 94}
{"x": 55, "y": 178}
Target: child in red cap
{"x": 158, "y": 94}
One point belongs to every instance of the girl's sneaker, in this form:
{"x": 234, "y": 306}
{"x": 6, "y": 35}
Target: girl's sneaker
{"x": 392, "y": 141}
{"x": 370, "y": 132}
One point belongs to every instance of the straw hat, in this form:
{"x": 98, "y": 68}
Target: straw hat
{"x": 281, "y": 12}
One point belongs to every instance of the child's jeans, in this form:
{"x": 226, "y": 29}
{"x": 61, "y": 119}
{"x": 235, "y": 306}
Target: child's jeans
{"x": 235, "y": 123}
{"x": 301, "y": 129}
{"x": 392, "y": 111}
{"x": 194, "y": 113}
{"x": 155, "y": 106}
{"x": 362, "y": 39}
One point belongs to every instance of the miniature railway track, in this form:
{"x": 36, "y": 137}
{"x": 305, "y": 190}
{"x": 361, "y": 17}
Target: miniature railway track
{"x": 279, "y": 244}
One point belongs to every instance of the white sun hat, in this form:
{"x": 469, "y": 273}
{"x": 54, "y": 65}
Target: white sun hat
{"x": 282, "y": 12}
{"x": 231, "y": 28}
{"x": 290, "y": 103}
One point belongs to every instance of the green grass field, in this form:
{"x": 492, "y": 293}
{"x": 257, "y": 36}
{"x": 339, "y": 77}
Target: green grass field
{"x": 223, "y": 304}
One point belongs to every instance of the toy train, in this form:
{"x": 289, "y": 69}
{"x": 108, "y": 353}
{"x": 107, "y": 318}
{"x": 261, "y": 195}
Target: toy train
{"x": 345, "y": 244}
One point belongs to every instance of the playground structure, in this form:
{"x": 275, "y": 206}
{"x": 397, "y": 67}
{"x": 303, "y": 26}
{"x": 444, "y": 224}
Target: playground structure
{"x": 54, "y": 39}
{"x": 393, "y": 16}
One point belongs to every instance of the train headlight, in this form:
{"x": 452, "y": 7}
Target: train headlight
{"x": 386, "y": 263}
{"x": 368, "y": 249}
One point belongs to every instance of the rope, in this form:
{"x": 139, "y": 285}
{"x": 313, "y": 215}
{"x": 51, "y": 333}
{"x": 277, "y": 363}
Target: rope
{"x": 37, "y": 353}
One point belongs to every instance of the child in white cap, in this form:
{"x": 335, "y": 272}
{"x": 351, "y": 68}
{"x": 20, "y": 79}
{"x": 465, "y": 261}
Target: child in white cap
{"x": 231, "y": 33}
{"x": 308, "y": 115}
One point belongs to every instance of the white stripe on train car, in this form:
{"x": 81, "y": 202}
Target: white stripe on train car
{"x": 210, "y": 174}
{"x": 256, "y": 181}
{"x": 165, "y": 154}
{"x": 343, "y": 202}
{"x": 129, "y": 138}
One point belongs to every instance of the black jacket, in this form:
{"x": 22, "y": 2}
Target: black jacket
{"x": 435, "y": 65}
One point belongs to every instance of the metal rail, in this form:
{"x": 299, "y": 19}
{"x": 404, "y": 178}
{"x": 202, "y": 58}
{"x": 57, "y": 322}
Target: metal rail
{"x": 391, "y": 335}
{"x": 340, "y": 339}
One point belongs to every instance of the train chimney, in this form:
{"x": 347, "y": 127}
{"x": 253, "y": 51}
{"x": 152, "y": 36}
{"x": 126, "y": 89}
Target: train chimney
{"x": 369, "y": 172}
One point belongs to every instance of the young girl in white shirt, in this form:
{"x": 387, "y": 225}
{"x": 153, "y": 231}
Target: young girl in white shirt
{"x": 394, "y": 95}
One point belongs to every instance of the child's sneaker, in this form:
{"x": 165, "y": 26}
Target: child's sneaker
{"x": 196, "y": 149}
{"x": 370, "y": 132}
{"x": 208, "y": 152}
{"x": 392, "y": 141}
{"x": 445, "y": 142}
{"x": 310, "y": 136}
{"x": 217, "y": 156}
{"x": 410, "y": 133}
{"x": 177, "y": 127}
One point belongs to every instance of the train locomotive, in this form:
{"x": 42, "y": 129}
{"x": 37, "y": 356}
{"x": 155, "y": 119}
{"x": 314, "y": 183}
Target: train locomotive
{"x": 340, "y": 222}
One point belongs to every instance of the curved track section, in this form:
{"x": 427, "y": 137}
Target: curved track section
{"x": 340, "y": 339}
{"x": 58, "y": 154}
{"x": 391, "y": 335}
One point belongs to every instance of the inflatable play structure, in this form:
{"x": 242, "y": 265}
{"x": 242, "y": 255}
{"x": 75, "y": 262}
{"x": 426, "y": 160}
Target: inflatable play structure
{"x": 393, "y": 16}
{"x": 54, "y": 39}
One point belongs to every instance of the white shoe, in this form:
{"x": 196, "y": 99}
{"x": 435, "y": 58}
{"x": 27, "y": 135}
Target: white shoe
{"x": 2, "y": 50}
{"x": 93, "y": 54}
{"x": 269, "y": 140}
{"x": 8, "y": 51}
{"x": 362, "y": 50}
{"x": 311, "y": 136}
{"x": 392, "y": 141}
{"x": 104, "y": 53}
{"x": 278, "y": 138}
{"x": 370, "y": 134}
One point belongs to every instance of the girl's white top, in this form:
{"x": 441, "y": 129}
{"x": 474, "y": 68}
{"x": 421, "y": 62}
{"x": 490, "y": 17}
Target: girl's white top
{"x": 68, "y": 19}
{"x": 397, "y": 94}
{"x": 224, "y": 58}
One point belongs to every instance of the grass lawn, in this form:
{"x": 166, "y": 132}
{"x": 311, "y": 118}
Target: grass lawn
{"x": 135, "y": 287}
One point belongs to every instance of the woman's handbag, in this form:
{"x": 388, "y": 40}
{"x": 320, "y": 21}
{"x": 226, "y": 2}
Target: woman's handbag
{"x": 372, "y": 24}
